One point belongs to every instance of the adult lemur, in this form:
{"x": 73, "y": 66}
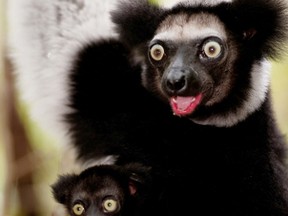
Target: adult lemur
{"x": 120, "y": 90}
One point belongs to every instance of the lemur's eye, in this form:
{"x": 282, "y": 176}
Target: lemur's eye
{"x": 157, "y": 52}
{"x": 78, "y": 209}
{"x": 212, "y": 49}
{"x": 110, "y": 205}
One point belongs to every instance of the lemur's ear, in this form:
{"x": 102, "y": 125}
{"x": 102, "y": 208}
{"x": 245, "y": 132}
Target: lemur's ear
{"x": 62, "y": 188}
{"x": 262, "y": 24}
{"x": 136, "y": 20}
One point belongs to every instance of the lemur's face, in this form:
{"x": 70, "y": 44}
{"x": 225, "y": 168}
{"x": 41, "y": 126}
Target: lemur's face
{"x": 190, "y": 61}
{"x": 207, "y": 59}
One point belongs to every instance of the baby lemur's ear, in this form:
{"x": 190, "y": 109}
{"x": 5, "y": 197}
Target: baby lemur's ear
{"x": 62, "y": 188}
{"x": 139, "y": 177}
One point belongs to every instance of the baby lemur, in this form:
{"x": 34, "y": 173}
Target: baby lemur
{"x": 104, "y": 190}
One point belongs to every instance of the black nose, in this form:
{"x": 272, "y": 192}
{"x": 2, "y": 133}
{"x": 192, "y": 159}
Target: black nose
{"x": 176, "y": 82}
{"x": 181, "y": 81}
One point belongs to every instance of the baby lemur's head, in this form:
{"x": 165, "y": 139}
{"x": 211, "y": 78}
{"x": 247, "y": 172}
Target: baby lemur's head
{"x": 103, "y": 190}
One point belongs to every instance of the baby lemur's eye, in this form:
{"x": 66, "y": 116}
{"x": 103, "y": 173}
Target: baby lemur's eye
{"x": 157, "y": 52}
{"x": 212, "y": 49}
{"x": 110, "y": 205}
{"x": 78, "y": 209}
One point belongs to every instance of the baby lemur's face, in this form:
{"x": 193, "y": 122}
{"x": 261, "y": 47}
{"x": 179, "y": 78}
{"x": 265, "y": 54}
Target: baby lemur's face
{"x": 98, "y": 195}
{"x": 100, "y": 190}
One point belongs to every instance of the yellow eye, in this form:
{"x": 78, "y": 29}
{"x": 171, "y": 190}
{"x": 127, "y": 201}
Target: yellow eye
{"x": 212, "y": 49}
{"x": 78, "y": 209}
{"x": 157, "y": 52}
{"x": 110, "y": 205}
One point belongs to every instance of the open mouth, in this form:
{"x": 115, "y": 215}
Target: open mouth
{"x": 182, "y": 106}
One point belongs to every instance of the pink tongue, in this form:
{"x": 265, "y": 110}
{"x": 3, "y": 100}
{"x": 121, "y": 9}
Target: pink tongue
{"x": 184, "y": 105}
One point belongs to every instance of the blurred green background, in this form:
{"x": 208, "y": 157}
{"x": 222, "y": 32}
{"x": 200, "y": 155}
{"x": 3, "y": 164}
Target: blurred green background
{"x": 49, "y": 153}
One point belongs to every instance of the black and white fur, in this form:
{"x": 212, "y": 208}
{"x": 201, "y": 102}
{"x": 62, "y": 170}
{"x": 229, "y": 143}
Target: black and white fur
{"x": 226, "y": 156}
{"x": 105, "y": 190}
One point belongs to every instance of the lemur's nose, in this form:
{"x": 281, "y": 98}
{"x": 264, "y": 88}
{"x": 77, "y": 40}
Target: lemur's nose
{"x": 176, "y": 80}
{"x": 181, "y": 81}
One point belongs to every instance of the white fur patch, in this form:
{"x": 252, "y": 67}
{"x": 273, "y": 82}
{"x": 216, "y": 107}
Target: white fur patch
{"x": 178, "y": 28}
{"x": 172, "y": 3}
{"x": 43, "y": 39}
{"x": 108, "y": 160}
{"x": 260, "y": 82}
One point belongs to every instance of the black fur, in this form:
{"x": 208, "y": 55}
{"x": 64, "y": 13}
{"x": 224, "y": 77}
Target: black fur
{"x": 197, "y": 169}
{"x": 138, "y": 20}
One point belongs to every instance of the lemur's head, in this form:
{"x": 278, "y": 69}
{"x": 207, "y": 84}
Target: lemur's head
{"x": 207, "y": 60}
